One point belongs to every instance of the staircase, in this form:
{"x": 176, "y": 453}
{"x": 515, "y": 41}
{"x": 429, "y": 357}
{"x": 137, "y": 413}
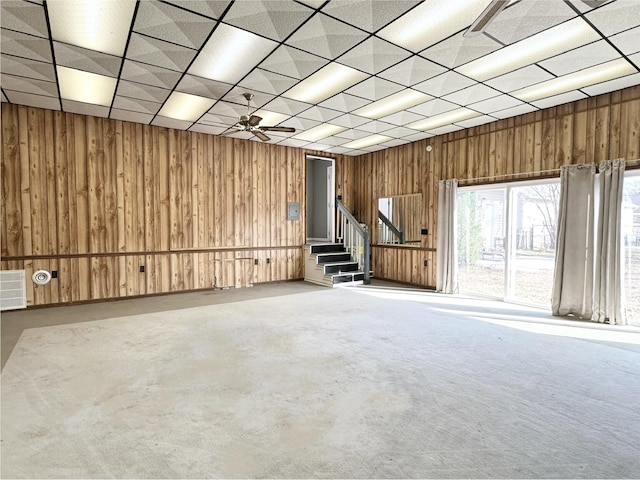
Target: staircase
{"x": 330, "y": 265}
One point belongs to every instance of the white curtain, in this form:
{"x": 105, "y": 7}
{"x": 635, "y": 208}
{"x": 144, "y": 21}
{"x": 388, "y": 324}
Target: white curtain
{"x": 608, "y": 299}
{"x": 446, "y": 256}
{"x": 573, "y": 275}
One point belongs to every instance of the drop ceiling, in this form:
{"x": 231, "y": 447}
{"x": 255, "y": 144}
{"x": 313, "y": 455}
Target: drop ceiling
{"x": 351, "y": 76}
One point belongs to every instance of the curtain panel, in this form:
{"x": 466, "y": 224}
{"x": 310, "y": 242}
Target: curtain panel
{"x": 446, "y": 256}
{"x": 573, "y": 274}
{"x": 608, "y": 289}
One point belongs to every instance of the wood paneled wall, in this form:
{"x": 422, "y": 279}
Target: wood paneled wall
{"x": 534, "y": 145}
{"x": 95, "y": 199}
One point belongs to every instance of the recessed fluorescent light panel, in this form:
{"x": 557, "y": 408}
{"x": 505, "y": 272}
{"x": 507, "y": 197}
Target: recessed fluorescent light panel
{"x": 431, "y": 22}
{"x": 319, "y": 132}
{"x": 393, "y": 103}
{"x": 367, "y": 141}
{"x": 85, "y": 87}
{"x": 444, "y": 119}
{"x": 230, "y": 53}
{"x": 97, "y": 25}
{"x": 548, "y": 43}
{"x": 583, "y": 78}
{"x": 270, "y": 118}
{"x": 183, "y": 106}
{"x": 325, "y": 83}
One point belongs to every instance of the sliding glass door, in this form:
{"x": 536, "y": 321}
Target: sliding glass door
{"x": 506, "y": 240}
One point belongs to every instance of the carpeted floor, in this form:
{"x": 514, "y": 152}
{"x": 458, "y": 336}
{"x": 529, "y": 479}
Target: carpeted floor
{"x": 343, "y": 383}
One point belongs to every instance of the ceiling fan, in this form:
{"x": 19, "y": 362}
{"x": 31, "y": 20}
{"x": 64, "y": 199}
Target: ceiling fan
{"x": 251, "y": 123}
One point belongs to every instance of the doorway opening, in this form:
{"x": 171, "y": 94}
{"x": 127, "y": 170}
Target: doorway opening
{"x": 320, "y": 174}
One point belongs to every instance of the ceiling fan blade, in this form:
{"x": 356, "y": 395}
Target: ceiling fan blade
{"x": 485, "y": 18}
{"x": 254, "y": 120}
{"x": 261, "y": 135}
{"x": 278, "y": 129}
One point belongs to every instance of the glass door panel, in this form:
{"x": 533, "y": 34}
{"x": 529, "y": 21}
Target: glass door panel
{"x": 481, "y": 241}
{"x": 534, "y": 214}
{"x": 631, "y": 246}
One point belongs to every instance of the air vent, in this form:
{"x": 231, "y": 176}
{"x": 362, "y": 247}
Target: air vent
{"x": 13, "y": 293}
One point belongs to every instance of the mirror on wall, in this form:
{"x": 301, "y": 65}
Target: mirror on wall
{"x": 399, "y": 220}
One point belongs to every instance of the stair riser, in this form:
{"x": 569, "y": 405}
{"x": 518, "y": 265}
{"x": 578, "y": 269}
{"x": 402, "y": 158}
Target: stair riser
{"x": 348, "y": 278}
{"x": 347, "y": 267}
{"x": 337, "y": 247}
{"x": 332, "y": 257}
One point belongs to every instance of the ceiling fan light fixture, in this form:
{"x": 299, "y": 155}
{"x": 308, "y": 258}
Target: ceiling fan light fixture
{"x": 442, "y": 119}
{"x": 321, "y": 131}
{"x": 553, "y": 41}
{"x": 393, "y": 103}
{"x": 573, "y": 81}
{"x": 93, "y": 24}
{"x": 326, "y": 82}
{"x": 81, "y": 86}
{"x": 368, "y": 141}
{"x": 184, "y": 106}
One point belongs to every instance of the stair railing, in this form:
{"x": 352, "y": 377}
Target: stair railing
{"x": 355, "y": 237}
{"x": 389, "y": 232}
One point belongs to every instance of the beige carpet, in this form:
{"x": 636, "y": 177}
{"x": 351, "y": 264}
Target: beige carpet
{"x": 332, "y": 383}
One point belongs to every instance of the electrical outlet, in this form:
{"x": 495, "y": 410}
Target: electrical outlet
{"x": 424, "y": 231}
{"x": 268, "y": 260}
{"x": 255, "y": 261}
{"x": 141, "y": 268}
{"x": 426, "y": 262}
{"x": 54, "y": 273}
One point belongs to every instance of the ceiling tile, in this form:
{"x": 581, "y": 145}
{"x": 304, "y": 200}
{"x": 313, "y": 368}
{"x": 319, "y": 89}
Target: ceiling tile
{"x": 26, "y": 46}
{"x": 520, "y": 78}
{"x": 394, "y": 143}
{"x": 293, "y": 142}
{"x": 320, "y": 114}
{"x": 376, "y": 126}
{"x": 136, "y": 105}
{"x": 3, "y": 97}
{"x": 300, "y": 124}
{"x": 472, "y": 94}
{"x": 149, "y": 74}
{"x": 212, "y": 9}
{"x": 373, "y": 55}
{"x": 352, "y": 134}
{"x": 286, "y": 106}
{"x": 611, "y": 85}
{"x": 160, "y": 53}
{"x": 349, "y": 121}
{"x": 142, "y": 92}
{"x": 419, "y": 136}
{"x": 172, "y": 24}
{"x": 266, "y": 81}
{"x": 474, "y": 122}
{"x": 209, "y": 129}
{"x": 128, "y": 116}
{"x": 231, "y": 110}
{"x": 580, "y": 58}
{"x": 399, "y": 132}
{"x": 369, "y": 16}
{"x": 445, "y": 129}
{"x": 31, "y": 100}
{"x": 29, "y": 85}
{"x": 443, "y": 84}
{"x": 513, "y": 111}
{"x": 628, "y": 41}
{"x": 374, "y": 88}
{"x": 344, "y": 102}
{"x": 458, "y": 49}
{"x": 293, "y": 62}
{"x": 28, "y": 68}
{"x": 494, "y": 104}
{"x": 324, "y": 36}
{"x": 271, "y": 19}
{"x": 171, "y": 123}
{"x": 401, "y": 118}
{"x": 85, "y": 108}
{"x": 616, "y": 16}
{"x": 216, "y": 119}
{"x": 24, "y": 17}
{"x": 202, "y": 87}
{"x": 559, "y": 99}
{"x": 87, "y": 60}
{"x": 523, "y": 19}
{"x": 433, "y": 107}
{"x": 338, "y": 150}
{"x": 412, "y": 70}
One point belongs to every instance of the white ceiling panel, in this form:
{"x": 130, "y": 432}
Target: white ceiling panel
{"x": 580, "y": 58}
{"x": 341, "y": 60}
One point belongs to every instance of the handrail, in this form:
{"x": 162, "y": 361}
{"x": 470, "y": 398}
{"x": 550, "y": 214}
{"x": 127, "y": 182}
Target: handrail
{"x": 399, "y": 234}
{"x": 355, "y": 237}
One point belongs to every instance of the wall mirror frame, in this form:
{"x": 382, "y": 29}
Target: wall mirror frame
{"x": 399, "y": 219}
